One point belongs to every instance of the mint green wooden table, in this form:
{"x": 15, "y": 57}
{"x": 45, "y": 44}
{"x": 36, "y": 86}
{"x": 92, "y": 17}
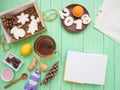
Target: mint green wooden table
{"x": 90, "y": 40}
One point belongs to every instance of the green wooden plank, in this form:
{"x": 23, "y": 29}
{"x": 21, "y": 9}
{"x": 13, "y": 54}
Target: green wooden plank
{"x": 2, "y": 55}
{"x": 45, "y": 5}
{"x": 99, "y": 41}
{"x": 117, "y": 66}
{"x": 66, "y": 45}
{"x": 0, "y": 7}
{"x": 9, "y": 4}
{"x": 109, "y": 48}
{"x": 55, "y": 32}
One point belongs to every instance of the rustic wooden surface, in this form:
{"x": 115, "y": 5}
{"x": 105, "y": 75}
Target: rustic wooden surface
{"x": 90, "y": 40}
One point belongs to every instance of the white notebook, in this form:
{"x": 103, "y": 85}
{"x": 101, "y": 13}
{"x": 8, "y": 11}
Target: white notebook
{"x": 86, "y": 68}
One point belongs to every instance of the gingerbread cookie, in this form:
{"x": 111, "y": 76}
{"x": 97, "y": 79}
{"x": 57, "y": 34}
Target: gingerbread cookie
{"x": 23, "y": 18}
{"x": 33, "y": 26}
{"x": 17, "y": 32}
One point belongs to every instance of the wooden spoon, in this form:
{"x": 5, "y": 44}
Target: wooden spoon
{"x": 23, "y": 76}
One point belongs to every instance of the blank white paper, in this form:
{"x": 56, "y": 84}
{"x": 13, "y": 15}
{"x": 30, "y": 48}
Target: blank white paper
{"x": 86, "y": 68}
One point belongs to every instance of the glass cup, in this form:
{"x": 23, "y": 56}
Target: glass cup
{"x": 45, "y": 46}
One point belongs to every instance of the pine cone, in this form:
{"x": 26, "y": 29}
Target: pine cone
{"x": 51, "y": 73}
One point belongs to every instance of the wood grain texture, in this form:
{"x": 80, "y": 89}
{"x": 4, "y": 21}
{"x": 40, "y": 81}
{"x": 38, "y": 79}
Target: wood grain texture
{"x": 90, "y": 40}
{"x": 109, "y": 49}
{"x": 117, "y": 65}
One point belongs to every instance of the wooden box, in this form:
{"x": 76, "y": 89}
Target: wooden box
{"x": 9, "y": 22}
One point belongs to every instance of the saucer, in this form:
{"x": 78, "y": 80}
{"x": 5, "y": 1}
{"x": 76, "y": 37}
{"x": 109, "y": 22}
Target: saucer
{"x": 7, "y": 74}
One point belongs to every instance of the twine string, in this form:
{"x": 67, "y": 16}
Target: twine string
{"x": 50, "y": 15}
{"x": 3, "y": 43}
